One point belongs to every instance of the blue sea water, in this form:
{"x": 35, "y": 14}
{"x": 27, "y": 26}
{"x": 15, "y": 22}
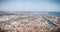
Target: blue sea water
{"x": 54, "y": 13}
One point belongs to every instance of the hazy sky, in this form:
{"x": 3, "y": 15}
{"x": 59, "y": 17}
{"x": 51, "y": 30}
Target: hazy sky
{"x": 29, "y": 5}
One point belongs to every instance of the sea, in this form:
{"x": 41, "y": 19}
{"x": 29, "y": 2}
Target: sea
{"x": 54, "y": 13}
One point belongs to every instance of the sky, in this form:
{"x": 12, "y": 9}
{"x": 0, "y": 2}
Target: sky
{"x": 30, "y": 5}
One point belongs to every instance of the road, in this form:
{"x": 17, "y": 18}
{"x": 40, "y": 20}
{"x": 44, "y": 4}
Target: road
{"x": 53, "y": 22}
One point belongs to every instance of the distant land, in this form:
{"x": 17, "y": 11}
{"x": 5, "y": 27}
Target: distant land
{"x": 32, "y": 12}
{"x": 5, "y": 13}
